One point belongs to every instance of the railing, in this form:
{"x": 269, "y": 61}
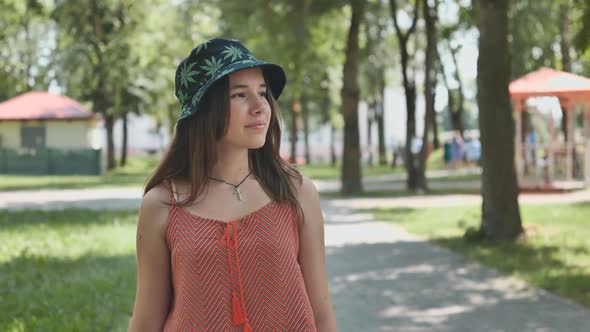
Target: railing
{"x": 50, "y": 161}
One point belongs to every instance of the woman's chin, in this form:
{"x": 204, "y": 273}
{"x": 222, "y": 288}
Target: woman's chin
{"x": 257, "y": 145}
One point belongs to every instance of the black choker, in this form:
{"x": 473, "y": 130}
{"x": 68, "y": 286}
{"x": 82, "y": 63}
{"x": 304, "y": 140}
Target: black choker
{"x": 237, "y": 187}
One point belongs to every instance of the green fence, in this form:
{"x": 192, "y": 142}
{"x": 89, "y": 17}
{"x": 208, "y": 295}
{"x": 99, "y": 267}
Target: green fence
{"x": 50, "y": 161}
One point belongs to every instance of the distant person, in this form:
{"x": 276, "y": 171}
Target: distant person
{"x": 457, "y": 150}
{"x": 531, "y": 147}
{"x": 397, "y": 151}
{"x": 447, "y": 158}
{"x": 230, "y": 237}
{"x": 472, "y": 150}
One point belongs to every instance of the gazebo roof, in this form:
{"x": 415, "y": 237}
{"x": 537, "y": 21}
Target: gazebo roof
{"x": 42, "y": 105}
{"x": 551, "y": 82}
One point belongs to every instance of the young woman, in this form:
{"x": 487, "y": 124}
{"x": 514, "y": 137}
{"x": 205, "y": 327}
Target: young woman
{"x": 230, "y": 236}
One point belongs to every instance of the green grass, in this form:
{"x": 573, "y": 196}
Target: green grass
{"x": 70, "y": 270}
{"x": 138, "y": 169}
{"x": 133, "y": 175}
{"x": 402, "y": 193}
{"x": 555, "y": 255}
{"x": 329, "y": 172}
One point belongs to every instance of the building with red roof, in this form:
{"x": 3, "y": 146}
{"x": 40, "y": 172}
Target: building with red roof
{"x": 39, "y": 122}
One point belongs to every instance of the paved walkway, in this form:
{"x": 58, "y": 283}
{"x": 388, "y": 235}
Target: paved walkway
{"x": 383, "y": 279}
{"x": 129, "y": 198}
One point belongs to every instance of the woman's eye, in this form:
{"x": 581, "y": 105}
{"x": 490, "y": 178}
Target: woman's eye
{"x": 238, "y": 95}
{"x": 263, "y": 94}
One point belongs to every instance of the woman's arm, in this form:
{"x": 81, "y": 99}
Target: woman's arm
{"x": 152, "y": 297}
{"x": 312, "y": 257}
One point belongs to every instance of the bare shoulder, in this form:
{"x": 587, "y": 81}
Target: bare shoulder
{"x": 309, "y": 200}
{"x": 156, "y": 198}
{"x": 154, "y": 208}
{"x": 306, "y": 190}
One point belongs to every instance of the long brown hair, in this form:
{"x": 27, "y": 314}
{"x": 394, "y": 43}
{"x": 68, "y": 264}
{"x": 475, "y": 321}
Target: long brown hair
{"x": 192, "y": 154}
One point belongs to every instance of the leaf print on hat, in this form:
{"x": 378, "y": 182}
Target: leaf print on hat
{"x": 197, "y": 96}
{"x": 202, "y": 46}
{"x": 233, "y": 53}
{"x": 182, "y": 96}
{"x": 186, "y": 112}
{"x": 212, "y": 66}
{"x": 186, "y": 74}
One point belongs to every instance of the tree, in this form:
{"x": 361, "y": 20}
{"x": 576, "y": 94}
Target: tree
{"x": 109, "y": 54}
{"x": 532, "y": 44}
{"x": 500, "y": 211}
{"x": 376, "y": 59}
{"x": 289, "y": 36}
{"x": 455, "y": 97}
{"x": 25, "y": 35}
{"x": 351, "y": 168}
{"x": 410, "y": 90}
{"x": 93, "y": 47}
{"x": 430, "y": 14}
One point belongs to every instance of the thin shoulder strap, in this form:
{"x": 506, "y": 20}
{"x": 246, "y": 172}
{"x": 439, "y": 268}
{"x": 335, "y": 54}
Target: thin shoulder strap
{"x": 173, "y": 191}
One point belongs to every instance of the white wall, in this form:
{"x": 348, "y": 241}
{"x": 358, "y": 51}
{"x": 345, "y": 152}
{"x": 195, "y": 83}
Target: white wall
{"x": 141, "y": 136}
{"x": 395, "y": 128}
{"x": 70, "y": 135}
{"x": 10, "y": 134}
{"x": 59, "y": 134}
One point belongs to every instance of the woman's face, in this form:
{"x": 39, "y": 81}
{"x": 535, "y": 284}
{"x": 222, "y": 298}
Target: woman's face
{"x": 249, "y": 110}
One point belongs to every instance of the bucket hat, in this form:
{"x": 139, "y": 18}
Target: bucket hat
{"x": 210, "y": 61}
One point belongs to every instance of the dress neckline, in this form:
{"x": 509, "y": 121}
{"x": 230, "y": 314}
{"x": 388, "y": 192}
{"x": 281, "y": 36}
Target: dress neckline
{"x": 235, "y": 220}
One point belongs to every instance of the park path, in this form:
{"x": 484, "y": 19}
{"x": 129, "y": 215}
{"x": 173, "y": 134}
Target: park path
{"x": 129, "y": 198}
{"x": 384, "y": 279}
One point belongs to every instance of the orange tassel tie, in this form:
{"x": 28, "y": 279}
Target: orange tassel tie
{"x": 238, "y": 313}
{"x": 247, "y": 327}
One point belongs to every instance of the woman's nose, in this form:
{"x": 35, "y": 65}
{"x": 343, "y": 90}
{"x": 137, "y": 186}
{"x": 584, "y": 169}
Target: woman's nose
{"x": 257, "y": 104}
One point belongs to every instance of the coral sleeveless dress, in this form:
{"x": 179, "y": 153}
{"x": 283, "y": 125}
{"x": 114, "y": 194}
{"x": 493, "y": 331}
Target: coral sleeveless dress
{"x": 241, "y": 275}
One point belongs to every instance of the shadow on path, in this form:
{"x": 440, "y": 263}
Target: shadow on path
{"x": 383, "y": 279}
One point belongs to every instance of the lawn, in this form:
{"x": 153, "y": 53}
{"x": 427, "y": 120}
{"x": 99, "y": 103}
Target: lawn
{"x": 327, "y": 171}
{"x": 70, "y": 270}
{"x": 555, "y": 255}
{"x": 138, "y": 169}
{"x": 134, "y": 174}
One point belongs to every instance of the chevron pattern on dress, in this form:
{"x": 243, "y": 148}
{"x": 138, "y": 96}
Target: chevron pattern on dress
{"x": 274, "y": 292}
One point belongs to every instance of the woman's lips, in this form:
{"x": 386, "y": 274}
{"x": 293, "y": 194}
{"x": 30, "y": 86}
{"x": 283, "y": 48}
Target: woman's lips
{"x": 256, "y": 125}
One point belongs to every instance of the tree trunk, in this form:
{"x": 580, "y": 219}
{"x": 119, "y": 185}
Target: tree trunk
{"x": 429, "y": 82}
{"x": 458, "y": 113}
{"x": 566, "y": 61}
{"x": 450, "y": 99}
{"x": 109, "y": 123}
{"x": 500, "y": 212}
{"x": 333, "y": 157}
{"x": 565, "y": 57}
{"x": 410, "y": 91}
{"x": 371, "y": 114}
{"x": 565, "y": 37}
{"x": 381, "y": 122}
{"x": 125, "y": 136}
{"x": 305, "y": 114}
{"x": 435, "y": 138}
{"x": 295, "y": 108}
{"x": 351, "y": 170}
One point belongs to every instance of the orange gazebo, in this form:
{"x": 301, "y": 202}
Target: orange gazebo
{"x": 573, "y": 93}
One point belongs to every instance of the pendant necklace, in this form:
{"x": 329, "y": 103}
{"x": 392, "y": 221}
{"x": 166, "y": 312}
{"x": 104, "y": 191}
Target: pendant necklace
{"x": 237, "y": 187}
